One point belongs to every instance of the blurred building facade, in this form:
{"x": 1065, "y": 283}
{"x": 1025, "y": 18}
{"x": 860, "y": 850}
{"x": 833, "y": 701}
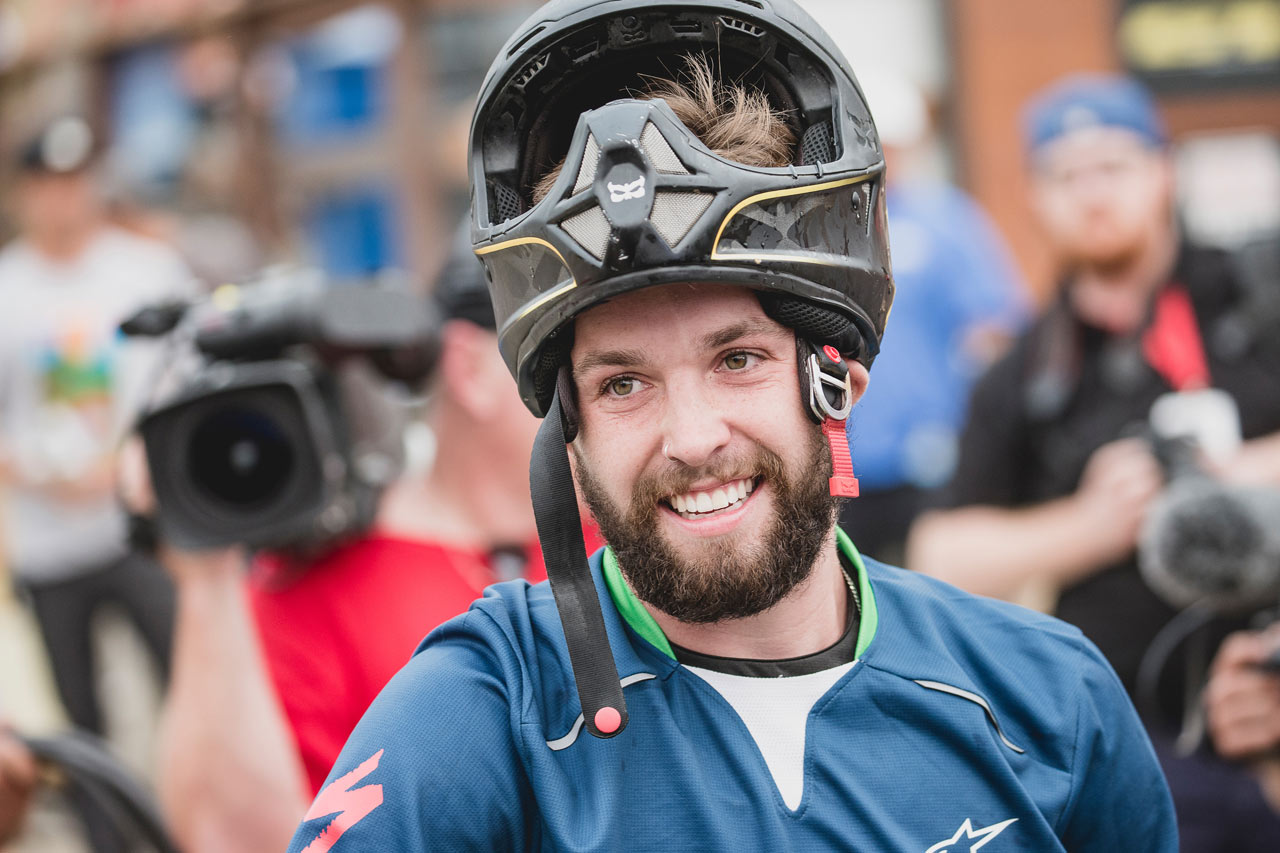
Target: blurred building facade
{"x": 326, "y": 131}
{"x": 1214, "y": 66}
{"x": 334, "y": 130}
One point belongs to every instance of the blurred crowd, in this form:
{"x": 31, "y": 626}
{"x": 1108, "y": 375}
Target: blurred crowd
{"x": 1104, "y": 446}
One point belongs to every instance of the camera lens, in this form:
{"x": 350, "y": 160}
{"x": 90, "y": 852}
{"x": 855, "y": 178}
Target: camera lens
{"x": 240, "y": 456}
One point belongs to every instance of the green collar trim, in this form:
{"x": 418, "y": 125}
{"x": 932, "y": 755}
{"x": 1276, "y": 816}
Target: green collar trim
{"x": 642, "y": 622}
{"x": 629, "y": 607}
{"x": 869, "y": 618}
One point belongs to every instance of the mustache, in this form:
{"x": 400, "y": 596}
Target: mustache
{"x": 677, "y": 478}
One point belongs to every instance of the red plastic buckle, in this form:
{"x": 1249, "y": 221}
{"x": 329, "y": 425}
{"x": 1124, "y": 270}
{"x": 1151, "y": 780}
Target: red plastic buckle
{"x": 843, "y": 483}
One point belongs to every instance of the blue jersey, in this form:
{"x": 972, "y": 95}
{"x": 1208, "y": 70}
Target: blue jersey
{"x": 964, "y": 723}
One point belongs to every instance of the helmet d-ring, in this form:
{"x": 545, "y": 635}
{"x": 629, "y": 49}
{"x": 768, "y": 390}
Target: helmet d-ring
{"x": 827, "y": 395}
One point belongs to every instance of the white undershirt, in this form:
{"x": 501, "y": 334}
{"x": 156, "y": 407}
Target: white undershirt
{"x": 776, "y": 711}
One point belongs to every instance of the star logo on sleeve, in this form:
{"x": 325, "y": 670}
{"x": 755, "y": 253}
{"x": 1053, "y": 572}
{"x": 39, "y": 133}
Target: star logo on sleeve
{"x": 968, "y": 840}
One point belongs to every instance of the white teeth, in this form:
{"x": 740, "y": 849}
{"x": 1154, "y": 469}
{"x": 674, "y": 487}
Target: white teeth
{"x": 721, "y": 497}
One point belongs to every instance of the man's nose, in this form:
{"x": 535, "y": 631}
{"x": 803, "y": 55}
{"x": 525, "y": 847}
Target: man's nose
{"x": 694, "y": 428}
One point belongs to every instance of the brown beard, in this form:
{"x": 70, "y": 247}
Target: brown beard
{"x": 1109, "y": 265}
{"x": 728, "y": 582}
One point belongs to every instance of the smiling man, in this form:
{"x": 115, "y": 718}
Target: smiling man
{"x": 691, "y": 278}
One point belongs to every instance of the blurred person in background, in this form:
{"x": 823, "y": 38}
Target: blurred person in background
{"x": 271, "y": 675}
{"x": 69, "y": 387}
{"x": 1051, "y": 486}
{"x": 958, "y": 304}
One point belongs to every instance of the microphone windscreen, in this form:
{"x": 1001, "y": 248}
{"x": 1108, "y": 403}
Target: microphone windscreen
{"x": 1204, "y": 542}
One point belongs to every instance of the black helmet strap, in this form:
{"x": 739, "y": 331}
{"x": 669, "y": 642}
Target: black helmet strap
{"x": 555, "y": 509}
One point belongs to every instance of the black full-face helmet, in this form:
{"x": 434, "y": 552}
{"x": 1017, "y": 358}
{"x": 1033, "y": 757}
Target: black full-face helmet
{"x": 641, "y": 201}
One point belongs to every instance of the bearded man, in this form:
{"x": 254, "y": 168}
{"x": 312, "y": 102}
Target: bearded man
{"x": 681, "y": 212}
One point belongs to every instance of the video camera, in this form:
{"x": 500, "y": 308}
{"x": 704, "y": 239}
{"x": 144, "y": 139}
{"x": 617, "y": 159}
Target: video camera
{"x": 285, "y": 434}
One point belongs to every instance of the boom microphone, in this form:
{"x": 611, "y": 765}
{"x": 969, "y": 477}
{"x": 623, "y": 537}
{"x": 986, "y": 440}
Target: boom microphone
{"x": 1218, "y": 545}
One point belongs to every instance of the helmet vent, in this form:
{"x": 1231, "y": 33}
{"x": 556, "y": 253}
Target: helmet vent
{"x": 590, "y": 159}
{"x": 742, "y": 26}
{"x": 817, "y": 145}
{"x": 523, "y": 41}
{"x": 674, "y": 213}
{"x": 591, "y": 229}
{"x": 584, "y": 51}
{"x": 506, "y": 202}
{"x": 664, "y": 160}
{"x": 531, "y": 70}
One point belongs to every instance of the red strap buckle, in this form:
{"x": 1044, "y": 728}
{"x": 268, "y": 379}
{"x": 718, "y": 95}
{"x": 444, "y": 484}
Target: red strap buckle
{"x": 843, "y": 483}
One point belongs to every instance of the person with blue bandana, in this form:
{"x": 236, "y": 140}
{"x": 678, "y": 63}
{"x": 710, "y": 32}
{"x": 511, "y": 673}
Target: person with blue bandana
{"x": 1149, "y": 338}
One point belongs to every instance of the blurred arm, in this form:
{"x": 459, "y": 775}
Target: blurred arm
{"x": 993, "y": 543}
{"x": 997, "y": 551}
{"x": 17, "y": 781}
{"x": 230, "y": 775}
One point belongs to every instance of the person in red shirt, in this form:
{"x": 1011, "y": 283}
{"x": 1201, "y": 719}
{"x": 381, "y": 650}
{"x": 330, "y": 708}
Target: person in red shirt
{"x": 271, "y": 675}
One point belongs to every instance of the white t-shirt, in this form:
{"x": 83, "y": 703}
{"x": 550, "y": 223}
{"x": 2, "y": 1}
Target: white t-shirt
{"x": 776, "y": 713}
{"x": 70, "y": 387}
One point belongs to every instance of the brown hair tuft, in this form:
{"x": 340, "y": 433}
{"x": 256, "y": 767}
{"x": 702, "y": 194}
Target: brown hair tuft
{"x": 735, "y": 122}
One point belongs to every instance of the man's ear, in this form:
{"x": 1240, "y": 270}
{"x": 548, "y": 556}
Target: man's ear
{"x": 463, "y": 366}
{"x": 859, "y": 378}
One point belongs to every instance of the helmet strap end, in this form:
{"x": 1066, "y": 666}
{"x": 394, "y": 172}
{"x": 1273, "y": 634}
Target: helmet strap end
{"x": 843, "y": 483}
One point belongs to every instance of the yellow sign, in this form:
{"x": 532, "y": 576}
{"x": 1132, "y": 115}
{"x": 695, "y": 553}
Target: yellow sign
{"x": 1166, "y": 35}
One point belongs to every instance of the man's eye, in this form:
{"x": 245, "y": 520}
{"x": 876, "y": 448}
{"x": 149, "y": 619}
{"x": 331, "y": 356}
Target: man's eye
{"x": 622, "y": 386}
{"x": 737, "y": 360}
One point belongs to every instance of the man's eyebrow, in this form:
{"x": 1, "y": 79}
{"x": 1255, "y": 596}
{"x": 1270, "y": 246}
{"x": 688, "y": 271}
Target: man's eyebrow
{"x": 729, "y": 334}
{"x": 609, "y": 358}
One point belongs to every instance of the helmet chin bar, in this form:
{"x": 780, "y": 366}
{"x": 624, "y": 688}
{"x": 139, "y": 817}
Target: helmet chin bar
{"x": 827, "y": 396}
